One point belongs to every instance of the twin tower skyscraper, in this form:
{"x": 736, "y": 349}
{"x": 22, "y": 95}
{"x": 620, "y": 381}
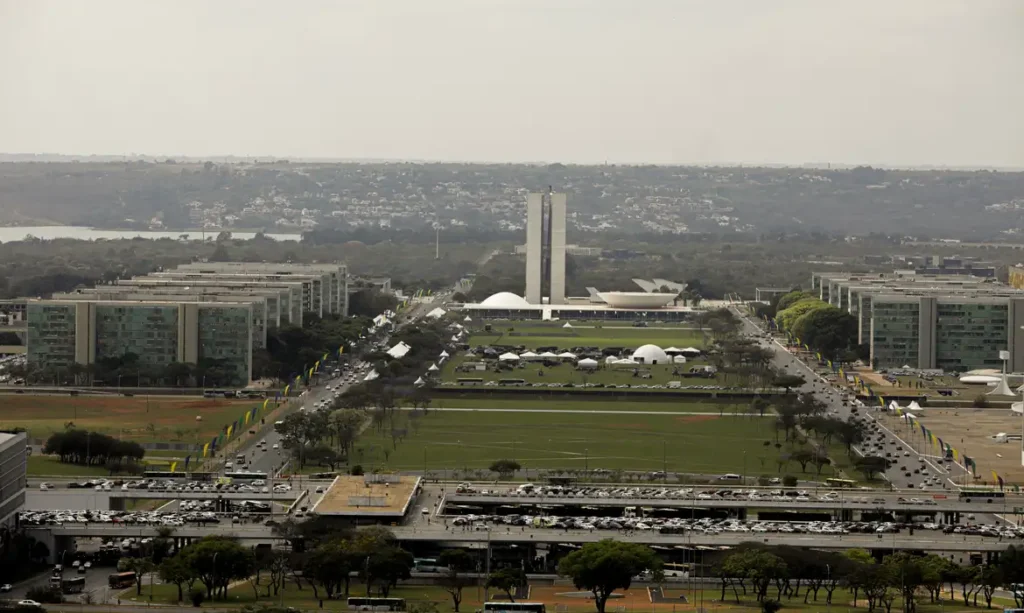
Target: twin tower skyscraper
{"x": 545, "y": 248}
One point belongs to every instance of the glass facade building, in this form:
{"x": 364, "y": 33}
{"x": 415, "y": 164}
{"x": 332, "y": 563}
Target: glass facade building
{"x": 150, "y": 332}
{"x": 50, "y": 333}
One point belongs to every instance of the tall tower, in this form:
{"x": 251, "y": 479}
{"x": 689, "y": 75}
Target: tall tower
{"x": 545, "y": 247}
{"x": 534, "y": 246}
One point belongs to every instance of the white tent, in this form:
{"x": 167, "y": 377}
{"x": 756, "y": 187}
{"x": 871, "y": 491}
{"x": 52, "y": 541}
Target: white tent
{"x": 913, "y": 406}
{"x": 893, "y": 406}
{"x": 611, "y": 359}
{"x": 420, "y": 381}
{"x": 678, "y": 359}
{"x": 399, "y": 350}
{"x": 468, "y": 318}
{"x": 587, "y": 363}
{"x": 626, "y": 362}
{"x": 1002, "y": 389}
{"x": 438, "y": 312}
{"x": 508, "y": 357}
{"x": 547, "y": 355}
{"x": 567, "y": 355}
{"x": 444, "y": 354}
{"x": 433, "y": 368}
{"x": 1017, "y": 407}
{"x": 692, "y": 350}
{"x": 528, "y": 355}
{"x": 567, "y": 325}
{"x": 370, "y": 376}
{"x": 673, "y": 350}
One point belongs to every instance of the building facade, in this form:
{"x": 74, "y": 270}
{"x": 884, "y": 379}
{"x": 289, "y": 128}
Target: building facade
{"x": 545, "y": 247}
{"x": 13, "y": 468}
{"x": 85, "y": 331}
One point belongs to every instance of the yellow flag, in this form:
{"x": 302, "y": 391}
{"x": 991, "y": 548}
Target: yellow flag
{"x": 995, "y": 476}
{"x": 265, "y": 402}
{"x": 174, "y": 466}
{"x": 286, "y": 388}
{"x": 206, "y": 449}
{"x": 230, "y": 428}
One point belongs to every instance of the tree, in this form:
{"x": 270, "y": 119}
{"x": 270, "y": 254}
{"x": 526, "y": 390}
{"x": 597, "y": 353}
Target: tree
{"x": 788, "y": 382}
{"x": 329, "y": 565}
{"x": 386, "y": 567}
{"x": 871, "y": 465}
{"x": 906, "y": 573}
{"x": 505, "y": 468}
{"x": 991, "y": 579}
{"x": 458, "y": 562}
{"x": 606, "y": 566}
{"x": 139, "y": 566}
{"x": 507, "y": 580}
{"x": 217, "y": 561}
{"x": 1011, "y": 562}
{"x": 176, "y": 570}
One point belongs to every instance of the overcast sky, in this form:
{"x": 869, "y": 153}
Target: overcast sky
{"x": 900, "y": 82}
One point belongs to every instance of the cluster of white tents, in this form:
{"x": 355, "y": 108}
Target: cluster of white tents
{"x": 399, "y": 351}
{"x": 433, "y": 369}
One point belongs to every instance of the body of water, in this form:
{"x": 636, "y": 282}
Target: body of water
{"x": 17, "y": 233}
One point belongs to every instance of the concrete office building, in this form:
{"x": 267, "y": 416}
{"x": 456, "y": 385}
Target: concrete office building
{"x": 545, "y": 247}
{"x": 13, "y": 468}
{"x": 284, "y": 299}
{"x": 127, "y": 293}
{"x": 947, "y": 322}
{"x": 328, "y": 291}
{"x": 83, "y": 331}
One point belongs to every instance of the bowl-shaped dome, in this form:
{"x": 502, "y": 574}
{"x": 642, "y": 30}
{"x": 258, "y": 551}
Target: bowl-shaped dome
{"x": 505, "y": 300}
{"x": 651, "y": 354}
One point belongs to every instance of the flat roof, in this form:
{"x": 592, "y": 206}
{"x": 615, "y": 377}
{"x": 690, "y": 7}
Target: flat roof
{"x": 574, "y": 307}
{"x": 351, "y": 496}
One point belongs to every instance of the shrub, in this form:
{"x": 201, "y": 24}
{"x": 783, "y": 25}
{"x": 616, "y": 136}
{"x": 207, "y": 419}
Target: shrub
{"x": 357, "y": 470}
{"x": 789, "y": 481}
{"x": 197, "y": 596}
{"x": 770, "y": 606}
{"x": 49, "y": 595}
{"x": 980, "y": 402}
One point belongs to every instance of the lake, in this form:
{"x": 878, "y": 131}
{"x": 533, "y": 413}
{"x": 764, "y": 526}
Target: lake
{"x": 17, "y": 233}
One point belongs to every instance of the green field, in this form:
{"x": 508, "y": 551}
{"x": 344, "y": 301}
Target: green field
{"x": 535, "y": 403}
{"x": 537, "y": 334}
{"x": 138, "y": 418}
{"x": 706, "y": 444}
{"x": 633, "y": 599}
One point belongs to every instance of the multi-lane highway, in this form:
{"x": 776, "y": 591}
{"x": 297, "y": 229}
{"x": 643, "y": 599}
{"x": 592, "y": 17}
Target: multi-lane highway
{"x": 903, "y": 453}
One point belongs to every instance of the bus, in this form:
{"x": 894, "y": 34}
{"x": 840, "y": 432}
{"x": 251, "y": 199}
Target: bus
{"x": 376, "y": 604}
{"x": 969, "y": 493}
{"x": 527, "y": 607}
{"x": 245, "y": 475}
{"x": 841, "y": 483}
{"x": 428, "y": 565}
{"x": 121, "y": 580}
{"x": 75, "y": 585}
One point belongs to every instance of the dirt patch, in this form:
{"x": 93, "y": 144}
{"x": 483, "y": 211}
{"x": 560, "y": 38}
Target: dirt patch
{"x": 691, "y": 419}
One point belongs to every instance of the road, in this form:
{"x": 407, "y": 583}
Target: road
{"x": 825, "y": 392}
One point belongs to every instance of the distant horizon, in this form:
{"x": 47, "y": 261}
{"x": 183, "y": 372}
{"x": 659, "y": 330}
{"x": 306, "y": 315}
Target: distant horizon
{"x": 22, "y": 157}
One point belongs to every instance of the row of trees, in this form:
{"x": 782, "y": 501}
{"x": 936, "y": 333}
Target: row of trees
{"x": 755, "y": 569}
{"x": 85, "y": 448}
{"x": 822, "y": 327}
{"x": 128, "y": 370}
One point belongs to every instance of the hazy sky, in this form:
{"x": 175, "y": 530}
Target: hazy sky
{"x": 900, "y": 82}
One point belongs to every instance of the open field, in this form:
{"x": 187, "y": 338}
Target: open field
{"x": 535, "y": 403}
{"x": 633, "y": 600}
{"x": 138, "y": 418}
{"x": 568, "y": 373}
{"x": 704, "y": 444}
{"x": 538, "y": 334}
{"x": 49, "y": 466}
{"x": 969, "y": 431}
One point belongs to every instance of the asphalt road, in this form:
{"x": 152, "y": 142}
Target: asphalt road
{"x": 825, "y": 392}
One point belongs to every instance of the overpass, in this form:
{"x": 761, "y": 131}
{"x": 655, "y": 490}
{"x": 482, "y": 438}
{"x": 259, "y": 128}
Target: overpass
{"x": 118, "y": 498}
{"x": 59, "y": 538}
{"x": 946, "y": 508}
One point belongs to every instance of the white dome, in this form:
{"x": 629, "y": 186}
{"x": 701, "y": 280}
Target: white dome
{"x": 505, "y": 300}
{"x": 651, "y": 354}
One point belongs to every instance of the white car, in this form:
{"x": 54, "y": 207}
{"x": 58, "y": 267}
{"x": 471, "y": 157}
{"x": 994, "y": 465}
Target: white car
{"x": 28, "y": 603}
{"x": 274, "y": 446}
{"x": 44, "y": 486}
{"x": 319, "y": 489}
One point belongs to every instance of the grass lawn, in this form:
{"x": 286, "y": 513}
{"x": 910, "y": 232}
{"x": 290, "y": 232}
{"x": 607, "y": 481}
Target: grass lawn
{"x": 534, "y": 403}
{"x": 568, "y": 373}
{"x": 453, "y": 440}
{"x": 632, "y": 600}
{"x": 142, "y": 419}
{"x": 533, "y": 335}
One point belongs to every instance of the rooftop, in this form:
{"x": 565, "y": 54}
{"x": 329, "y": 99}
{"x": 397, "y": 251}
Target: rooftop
{"x": 353, "y": 496}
